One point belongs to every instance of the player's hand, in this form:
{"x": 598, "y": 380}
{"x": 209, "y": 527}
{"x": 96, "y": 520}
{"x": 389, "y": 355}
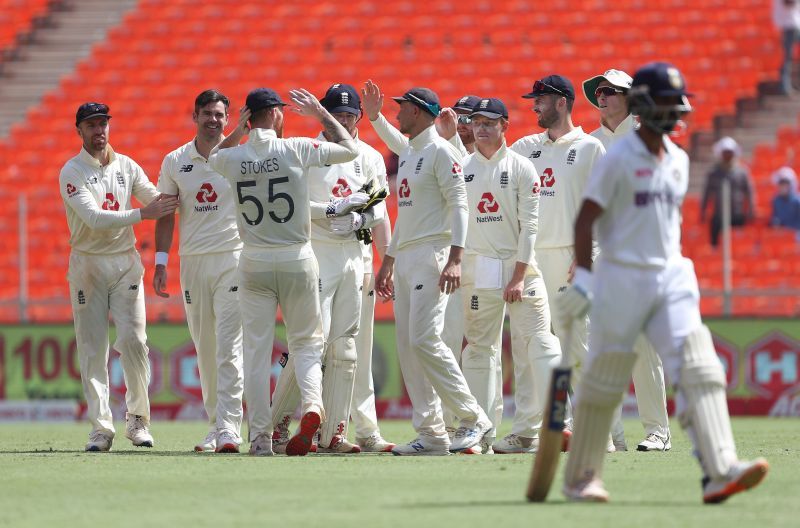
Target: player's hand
{"x": 513, "y": 291}
{"x": 160, "y": 281}
{"x": 372, "y": 100}
{"x": 305, "y": 103}
{"x": 384, "y": 285}
{"x": 347, "y": 223}
{"x": 577, "y": 300}
{"x": 162, "y": 206}
{"x": 447, "y": 123}
{"x": 450, "y": 279}
{"x": 243, "y": 125}
{"x": 342, "y": 206}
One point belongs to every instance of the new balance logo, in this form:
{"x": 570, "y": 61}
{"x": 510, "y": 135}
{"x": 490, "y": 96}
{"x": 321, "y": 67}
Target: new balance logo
{"x": 531, "y": 293}
{"x": 468, "y": 178}
{"x": 562, "y": 289}
{"x": 571, "y": 156}
{"x": 371, "y": 293}
{"x": 418, "y": 287}
{"x": 186, "y": 168}
{"x": 473, "y": 302}
{"x": 233, "y": 289}
{"x": 535, "y": 154}
{"x": 81, "y": 297}
{"x": 417, "y": 446}
{"x": 187, "y": 297}
{"x": 133, "y": 287}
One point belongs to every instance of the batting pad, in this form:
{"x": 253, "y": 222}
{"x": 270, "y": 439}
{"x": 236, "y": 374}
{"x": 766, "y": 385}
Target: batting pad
{"x": 286, "y": 396}
{"x": 702, "y": 406}
{"x": 605, "y": 377}
{"x": 337, "y": 387}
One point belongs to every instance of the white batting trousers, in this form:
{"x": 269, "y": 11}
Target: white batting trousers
{"x": 263, "y": 286}
{"x": 362, "y": 410}
{"x": 99, "y": 284}
{"x": 210, "y": 285}
{"x": 429, "y": 367}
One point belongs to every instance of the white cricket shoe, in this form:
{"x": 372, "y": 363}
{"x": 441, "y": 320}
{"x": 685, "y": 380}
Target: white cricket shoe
{"x": 339, "y": 445}
{"x": 99, "y": 441}
{"x": 742, "y": 476}
{"x": 421, "y": 446}
{"x": 513, "y": 443}
{"x": 375, "y": 443}
{"x": 655, "y": 442}
{"x": 468, "y": 436}
{"x": 227, "y": 442}
{"x": 610, "y": 447}
{"x": 261, "y": 445}
{"x": 588, "y": 490}
{"x": 137, "y": 431}
{"x": 209, "y": 443}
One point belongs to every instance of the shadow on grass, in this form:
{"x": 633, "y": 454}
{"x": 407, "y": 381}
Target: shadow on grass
{"x": 548, "y": 504}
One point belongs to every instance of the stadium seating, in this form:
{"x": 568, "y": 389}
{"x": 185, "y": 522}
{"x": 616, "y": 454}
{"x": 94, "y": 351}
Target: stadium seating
{"x": 17, "y": 18}
{"x": 164, "y": 52}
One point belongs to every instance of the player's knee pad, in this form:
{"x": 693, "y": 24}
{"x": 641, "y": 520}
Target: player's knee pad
{"x": 700, "y": 364}
{"x": 286, "y": 396}
{"x": 605, "y": 379}
{"x": 337, "y": 386}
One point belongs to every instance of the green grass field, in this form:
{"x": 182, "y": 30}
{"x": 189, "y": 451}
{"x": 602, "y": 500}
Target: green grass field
{"x": 47, "y": 480}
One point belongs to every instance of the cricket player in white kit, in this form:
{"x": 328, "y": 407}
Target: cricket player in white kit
{"x": 422, "y": 266}
{"x": 563, "y": 156}
{"x": 209, "y": 251}
{"x": 500, "y": 272}
{"x": 642, "y": 283}
{"x": 277, "y": 266}
{"x": 337, "y": 245}
{"x": 105, "y": 272}
{"x": 607, "y": 93}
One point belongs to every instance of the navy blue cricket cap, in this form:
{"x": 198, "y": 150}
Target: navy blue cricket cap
{"x": 467, "y": 103}
{"x": 552, "y": 84}
{"x": 90, "y": 110}
{"x": 424, "y": 98}
{"x": 492, "y": 108}
{"x": 342, "y": 98}
{"x": 261, "y": 98}
{"x": 660, "y": 78}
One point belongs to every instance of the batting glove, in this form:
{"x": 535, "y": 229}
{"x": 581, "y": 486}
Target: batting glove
{"x": 347, "y": 223}
{"x": 342, "y": 206}
{"x": 576, "y": 301}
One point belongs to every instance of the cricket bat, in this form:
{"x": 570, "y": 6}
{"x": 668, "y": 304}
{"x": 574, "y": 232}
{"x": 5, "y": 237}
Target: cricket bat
{"x": 551, "y": 434}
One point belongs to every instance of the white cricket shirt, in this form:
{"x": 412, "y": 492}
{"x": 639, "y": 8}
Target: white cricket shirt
{"x": 97, "y": 200}
{"x": 641, "y": 197}
{"x": 608, "y": 137}
{"x": 431, "y": 198}
{"x": 207, "y": 219}
{"x": 563, "y": 166}
{"x": 503, "y": 201}
{"x": 341, "y": 180}
{"x": 269, "y": 176}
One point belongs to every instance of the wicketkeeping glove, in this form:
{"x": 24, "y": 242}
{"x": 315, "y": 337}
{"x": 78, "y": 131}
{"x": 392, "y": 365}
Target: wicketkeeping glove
{"x": 576, "y": 301}
{"x": 347, "y": 223}
{"x": 342, "y": 206}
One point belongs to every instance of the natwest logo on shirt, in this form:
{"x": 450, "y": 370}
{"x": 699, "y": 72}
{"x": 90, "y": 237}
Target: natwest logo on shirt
{"x": 488, "y": 204}
{"x": 404, "y": 193}
{"x": 341, "y": 189}
{"x": 207, "y": 194}
{"x": 547, "y": 178}
{"x": 111, "y": 203}
{"x": 71, "y": 190}
{"x": 457, "y": 172}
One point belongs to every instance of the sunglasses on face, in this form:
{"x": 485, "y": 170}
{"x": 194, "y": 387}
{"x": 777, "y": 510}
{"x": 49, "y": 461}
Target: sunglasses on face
{"x": 541, "y": 88}
{"x": 608, "y": 91}
{"x": 464, "y": 119}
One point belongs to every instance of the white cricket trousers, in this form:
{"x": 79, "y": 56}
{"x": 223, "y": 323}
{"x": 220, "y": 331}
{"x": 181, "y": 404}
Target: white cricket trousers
{"x": 265, "y": 283}
{"x": 534, "y": 349}
{"x": 99, "y": 284}
{"x": 429, "y": 368}
{"x": 362, "y": 410}
{"x": 210, "y": 285}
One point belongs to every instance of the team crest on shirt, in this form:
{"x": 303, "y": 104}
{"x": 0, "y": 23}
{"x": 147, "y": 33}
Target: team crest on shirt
{"x": 571, "y": 156}
{"x": 419, "y": 166}
{"x": 504, "y": 179}
{"x": 120, "y": 179}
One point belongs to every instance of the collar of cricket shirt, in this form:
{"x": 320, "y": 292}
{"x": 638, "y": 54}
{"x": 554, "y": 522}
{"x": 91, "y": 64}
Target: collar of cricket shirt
{"x": 501, "y": 153}
{"x": 261, "y": 135}
{"x": 423, "y": 138}
{"x": 90, "y": 160}
{"x": 569, "y": 137}
{"x": 627, "y": 124}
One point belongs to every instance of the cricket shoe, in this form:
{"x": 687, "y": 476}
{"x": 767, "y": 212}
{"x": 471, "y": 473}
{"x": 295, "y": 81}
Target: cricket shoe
{"x": 375, "y": 443}
{"x": 339, "y": 445}
{"x": 261, "y": 445}
{"x": 137, "y": 431}
{"x": 227, "y": 442}
{"x": 300, "y": 444}
{"x": 209, "y": 443}
{"x": 467, "y": 437}
{"x": 610, "y": 447}
{"x": 99, "y": 441}
{"x": 280, "y": 436}
{"x": 512, "y": 443}
{"x": 655, "y": 442}
{"x": 742, "y": 476}
{"x": 588, "y": 490}
{"x": 420, "y": 446}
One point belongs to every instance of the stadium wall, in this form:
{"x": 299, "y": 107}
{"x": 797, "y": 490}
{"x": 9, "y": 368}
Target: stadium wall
{"x": 40, "y": 379}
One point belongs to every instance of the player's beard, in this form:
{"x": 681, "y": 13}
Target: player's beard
{"x": 548, "y": 118}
